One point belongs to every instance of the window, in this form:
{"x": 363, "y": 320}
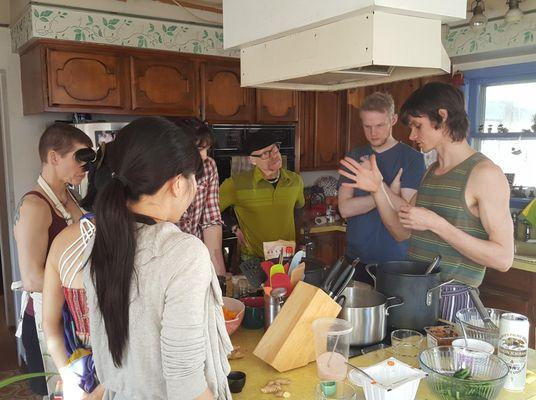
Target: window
{"x": 502, "y": 109}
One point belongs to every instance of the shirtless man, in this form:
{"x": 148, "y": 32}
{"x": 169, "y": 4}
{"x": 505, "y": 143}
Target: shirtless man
{"x": 41, "y": 214}
{"x": 461, "y": 210}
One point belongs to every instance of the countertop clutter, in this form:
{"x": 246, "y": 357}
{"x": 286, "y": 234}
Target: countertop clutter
{"x": 305, "y": 379}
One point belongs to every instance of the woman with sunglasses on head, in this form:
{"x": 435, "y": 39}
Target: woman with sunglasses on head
{"x": 65, "y": 311}
{"x": 155, "y": 306}
{"x": 41, "y": 214}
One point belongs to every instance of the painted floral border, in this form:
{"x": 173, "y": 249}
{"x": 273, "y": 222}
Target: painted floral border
{"x": 497, "y": 35}
{"x": 96, "y": 27}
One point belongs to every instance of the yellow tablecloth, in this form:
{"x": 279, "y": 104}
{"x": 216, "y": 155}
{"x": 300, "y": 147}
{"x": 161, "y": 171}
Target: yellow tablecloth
{"x": 305, "y": 379}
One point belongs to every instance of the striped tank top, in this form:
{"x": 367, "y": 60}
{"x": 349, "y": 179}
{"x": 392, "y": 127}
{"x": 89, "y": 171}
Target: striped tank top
{"x": 445, "y": 195}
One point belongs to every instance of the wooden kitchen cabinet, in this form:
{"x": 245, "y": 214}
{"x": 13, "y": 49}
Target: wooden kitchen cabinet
{"x": 60, "y": 78}
{"x": 321, "y": 130}
{"x": 223, "y": 100}
{"x": 511, "y": 291}
{"x": 329, "y": 246}
{"x": 274, "y": 106}
{"x": 164, "y": 86}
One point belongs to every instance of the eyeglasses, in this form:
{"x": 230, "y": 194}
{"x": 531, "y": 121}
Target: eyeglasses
{"x": 265, "y": 155}
{"x": 85, "y": 156}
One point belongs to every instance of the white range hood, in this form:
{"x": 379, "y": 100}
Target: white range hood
{"x": 348, "y": 44}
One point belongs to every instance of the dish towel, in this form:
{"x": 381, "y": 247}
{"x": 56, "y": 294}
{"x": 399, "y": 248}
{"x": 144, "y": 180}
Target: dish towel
{"x": 217, "y": 365}
{"x": 529, "y": 212}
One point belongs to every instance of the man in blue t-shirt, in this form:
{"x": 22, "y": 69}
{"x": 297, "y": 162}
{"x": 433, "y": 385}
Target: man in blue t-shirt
{"x": 402, "y": 168}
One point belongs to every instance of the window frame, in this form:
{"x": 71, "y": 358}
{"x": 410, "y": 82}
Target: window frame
{"x": 475, "y": 83}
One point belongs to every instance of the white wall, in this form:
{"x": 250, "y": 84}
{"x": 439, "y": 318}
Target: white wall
{"x": 4, "y": 12}
{"x": 22, "y": 134}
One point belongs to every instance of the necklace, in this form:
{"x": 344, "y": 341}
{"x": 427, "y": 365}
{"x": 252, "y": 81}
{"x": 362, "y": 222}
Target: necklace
{"x": 274, "y": 180}
{"x": 57, "y": 203}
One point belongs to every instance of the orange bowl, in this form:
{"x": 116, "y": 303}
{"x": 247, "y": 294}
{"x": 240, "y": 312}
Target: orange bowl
{"x": 236, "y": 306}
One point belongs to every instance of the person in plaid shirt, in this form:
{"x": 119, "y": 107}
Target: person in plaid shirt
{"x": 203, "y": 218}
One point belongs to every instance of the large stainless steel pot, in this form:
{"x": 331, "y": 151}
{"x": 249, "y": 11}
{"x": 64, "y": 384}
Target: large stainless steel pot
{"x": 366, "y": 309}
{"x": 419, "y": 292}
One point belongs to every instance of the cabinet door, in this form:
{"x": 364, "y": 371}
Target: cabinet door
{"x": 306, "y": 112}
{"x": 86, "y": 80}
{"x": 326, "y": 247}
{"x": 327, "y": 133}
{"x": 164, "y": 86}
{"x": 222, "y": 97}
{"x": 355, "y": 135}
{"x": 276, "y": 105}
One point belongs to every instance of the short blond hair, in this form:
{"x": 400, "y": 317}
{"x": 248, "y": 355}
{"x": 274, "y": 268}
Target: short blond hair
{"x": 379, "y": 102}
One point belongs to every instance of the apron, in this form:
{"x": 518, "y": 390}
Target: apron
{"x": 48, "y": 363}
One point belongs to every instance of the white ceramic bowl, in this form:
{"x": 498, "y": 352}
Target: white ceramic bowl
{"x": 474, "y": 344}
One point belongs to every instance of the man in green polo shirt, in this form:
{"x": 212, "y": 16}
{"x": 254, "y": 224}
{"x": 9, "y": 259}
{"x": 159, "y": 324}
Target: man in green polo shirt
{"x": 264, "y": 198}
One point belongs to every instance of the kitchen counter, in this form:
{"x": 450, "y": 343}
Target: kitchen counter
{"x": 521, "y": 262}
{"x": 305, "y": 379}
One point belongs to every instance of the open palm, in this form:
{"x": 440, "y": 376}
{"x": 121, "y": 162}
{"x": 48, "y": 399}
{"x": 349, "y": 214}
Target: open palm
{"x": 367, "y": 179}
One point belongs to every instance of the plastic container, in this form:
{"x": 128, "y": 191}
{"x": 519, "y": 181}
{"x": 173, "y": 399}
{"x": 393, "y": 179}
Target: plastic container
{"x": 393, "y": 380}
{"x": 441, "y": 335}
{"x": 332, "y": 345}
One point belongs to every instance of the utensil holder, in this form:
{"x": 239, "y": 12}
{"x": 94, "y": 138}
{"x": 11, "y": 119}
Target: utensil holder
{"x": 289, "y": 343}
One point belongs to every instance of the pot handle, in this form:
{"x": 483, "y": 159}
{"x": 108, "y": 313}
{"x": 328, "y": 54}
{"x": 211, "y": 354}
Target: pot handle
{"x": 430, "y": 291}
{"x": 367, "y": 268}
{"x": 393, "y": 305}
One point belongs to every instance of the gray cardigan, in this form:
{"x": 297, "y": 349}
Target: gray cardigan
{"x": 177, "y": 344}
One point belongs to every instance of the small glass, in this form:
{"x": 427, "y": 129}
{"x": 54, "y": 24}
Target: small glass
{"x": 406, "y": 345}
{"x": 335, "y": 391}
{"x": 243, "y": 287}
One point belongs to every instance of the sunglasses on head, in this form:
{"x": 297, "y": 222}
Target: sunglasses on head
{"x": 85, "y": 156}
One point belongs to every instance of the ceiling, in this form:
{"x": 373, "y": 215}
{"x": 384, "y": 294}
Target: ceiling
{"x": 493, "y": 8}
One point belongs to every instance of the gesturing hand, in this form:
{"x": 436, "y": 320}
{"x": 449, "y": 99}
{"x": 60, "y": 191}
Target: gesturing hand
{"x": 367, "y": 179}
{"x": 418, "y": 218}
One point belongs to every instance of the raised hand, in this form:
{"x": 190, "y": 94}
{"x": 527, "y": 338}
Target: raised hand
{"x": 367, "y": 179}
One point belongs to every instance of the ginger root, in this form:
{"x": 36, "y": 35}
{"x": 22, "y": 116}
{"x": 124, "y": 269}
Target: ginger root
{"x": 271, "y": 388}
{"x": 274, "y": 386}
{"x": 236, "y": 354}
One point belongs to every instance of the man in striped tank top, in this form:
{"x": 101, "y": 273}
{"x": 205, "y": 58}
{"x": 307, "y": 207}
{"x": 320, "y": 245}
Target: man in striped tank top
{"x": 461, "y": 210}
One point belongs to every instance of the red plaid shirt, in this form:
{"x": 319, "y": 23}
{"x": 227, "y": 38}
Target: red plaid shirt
{"x": 204, "y": 210}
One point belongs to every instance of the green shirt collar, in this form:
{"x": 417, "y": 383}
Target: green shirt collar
{"x": 258, "y": 176}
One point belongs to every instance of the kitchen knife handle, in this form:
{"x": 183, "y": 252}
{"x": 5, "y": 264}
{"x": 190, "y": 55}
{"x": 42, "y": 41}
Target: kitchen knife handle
{"x": 332, "y": 275}
{"x": 348, "y": 275}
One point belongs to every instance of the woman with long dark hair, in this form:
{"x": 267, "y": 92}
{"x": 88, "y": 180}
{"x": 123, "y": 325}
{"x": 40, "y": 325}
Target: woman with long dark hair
{"x": 155, "y": 307}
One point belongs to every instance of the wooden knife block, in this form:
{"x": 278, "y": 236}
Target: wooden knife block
{"x": 289, "y": 342}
